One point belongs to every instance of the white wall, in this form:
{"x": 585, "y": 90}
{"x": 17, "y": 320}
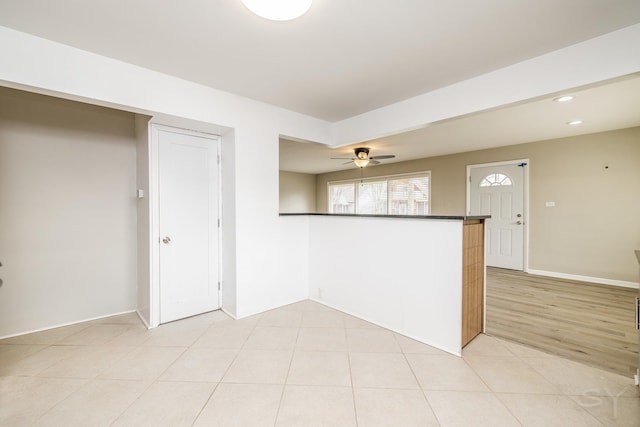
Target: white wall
{"x": 229, "y": 228}
{"x": 67, "y": 212}
{"x": 297, "y": 192}
{"x": 269, "y": 250}
{"x": 402, "y": 274}
{"x": 143, "y": 219}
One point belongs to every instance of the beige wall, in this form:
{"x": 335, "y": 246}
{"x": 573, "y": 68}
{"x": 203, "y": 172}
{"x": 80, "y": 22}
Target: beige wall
{"x": 67, "y": 212}
{"x": 297, "y": 192}
{"x": 595, "y": 226}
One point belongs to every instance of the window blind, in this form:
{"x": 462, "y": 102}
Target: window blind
{"x": 389, "y": 195}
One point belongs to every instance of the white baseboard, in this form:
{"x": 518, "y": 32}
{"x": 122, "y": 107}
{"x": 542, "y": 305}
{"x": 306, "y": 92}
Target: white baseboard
{"x": 144, "y": 322}
{"x": 244, "y": 315}
{"x": 68, "y": 324}
{"x": 366, "y": 319}
{"x": 228, "y": 313}
{"x": 598, "y": 280}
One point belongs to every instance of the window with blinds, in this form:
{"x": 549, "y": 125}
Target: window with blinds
{"x": 387, "y": 195}
{"x": 342, "y": 198}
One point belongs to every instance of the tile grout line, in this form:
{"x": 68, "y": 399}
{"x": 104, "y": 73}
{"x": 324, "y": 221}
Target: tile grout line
{"x": 223, "y": 375}
{"x": 353, "y": 391}
{"x": 275, "y": 421}
{"x": 152, "y": 382}
{"x": 493, "y": 392}
{"x": 86, "y": 380}
{"x": 422, "y": 391}
{"x": 195, "y": 419}
{"x": 497, "y": 394}
{"x": 156, "y": 380}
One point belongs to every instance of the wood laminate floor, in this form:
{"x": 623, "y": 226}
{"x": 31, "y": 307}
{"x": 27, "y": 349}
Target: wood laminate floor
{"x": 585, "y": 322}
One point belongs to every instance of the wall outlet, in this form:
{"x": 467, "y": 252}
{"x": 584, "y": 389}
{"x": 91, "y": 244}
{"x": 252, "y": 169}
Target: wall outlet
{"x": 319, "y": 293}
{"x": 550, "y": 204}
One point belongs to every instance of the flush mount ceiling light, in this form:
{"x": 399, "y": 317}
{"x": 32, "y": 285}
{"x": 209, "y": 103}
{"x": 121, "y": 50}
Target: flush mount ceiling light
{"x": 564, "y": 98}
{"x": 278, "y": 10}
{"x": 574, "y": 122}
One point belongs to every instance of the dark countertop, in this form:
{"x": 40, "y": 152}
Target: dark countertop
{"x": 446, "y": 217}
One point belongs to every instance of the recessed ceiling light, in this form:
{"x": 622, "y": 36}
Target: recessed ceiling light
{"x": 278, "y": 10}
{"x": 564, "y": 98}
{"x": 574, "y": 122}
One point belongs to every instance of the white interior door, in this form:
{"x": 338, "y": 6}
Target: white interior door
{"x": 499, "y": 191}
{"x": 188, "y": 224}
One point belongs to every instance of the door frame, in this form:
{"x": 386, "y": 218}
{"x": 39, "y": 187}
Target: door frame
{"x": 525, "y": 184}
{"x": 154, "y": 206}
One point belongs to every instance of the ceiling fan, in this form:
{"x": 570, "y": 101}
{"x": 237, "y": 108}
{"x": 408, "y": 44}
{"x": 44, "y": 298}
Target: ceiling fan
{"x": 363, "y": 159}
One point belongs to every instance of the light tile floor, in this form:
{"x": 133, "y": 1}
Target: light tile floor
{"x": 300, "y": 365}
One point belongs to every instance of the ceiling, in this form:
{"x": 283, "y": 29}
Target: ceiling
{"x": 609, "y": 106}
{"x": 343, "y": 58}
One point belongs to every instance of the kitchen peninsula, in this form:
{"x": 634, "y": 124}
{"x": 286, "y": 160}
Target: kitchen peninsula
{"x": 420, "y": 276}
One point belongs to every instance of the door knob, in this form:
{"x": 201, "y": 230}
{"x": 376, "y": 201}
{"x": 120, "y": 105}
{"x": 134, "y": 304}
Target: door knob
{"x": 166, "y": 240}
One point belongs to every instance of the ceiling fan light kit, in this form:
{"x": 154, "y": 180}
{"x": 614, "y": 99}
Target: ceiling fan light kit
{"x": 278, "y": 10}
{"x": 363, "y": 159}
{"x": 361, "y": 162}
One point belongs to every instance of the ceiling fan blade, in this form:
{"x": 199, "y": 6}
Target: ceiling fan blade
{"x": 385, "y": 156}
{"x": 342, "y": 158}
{"x": 348, "y": 163}
{"x": 373, "y": 162}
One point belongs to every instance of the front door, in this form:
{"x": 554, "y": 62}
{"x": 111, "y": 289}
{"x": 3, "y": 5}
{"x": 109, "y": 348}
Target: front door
{"x": 188, "y": 224}
{"x": 498, "y": 190}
